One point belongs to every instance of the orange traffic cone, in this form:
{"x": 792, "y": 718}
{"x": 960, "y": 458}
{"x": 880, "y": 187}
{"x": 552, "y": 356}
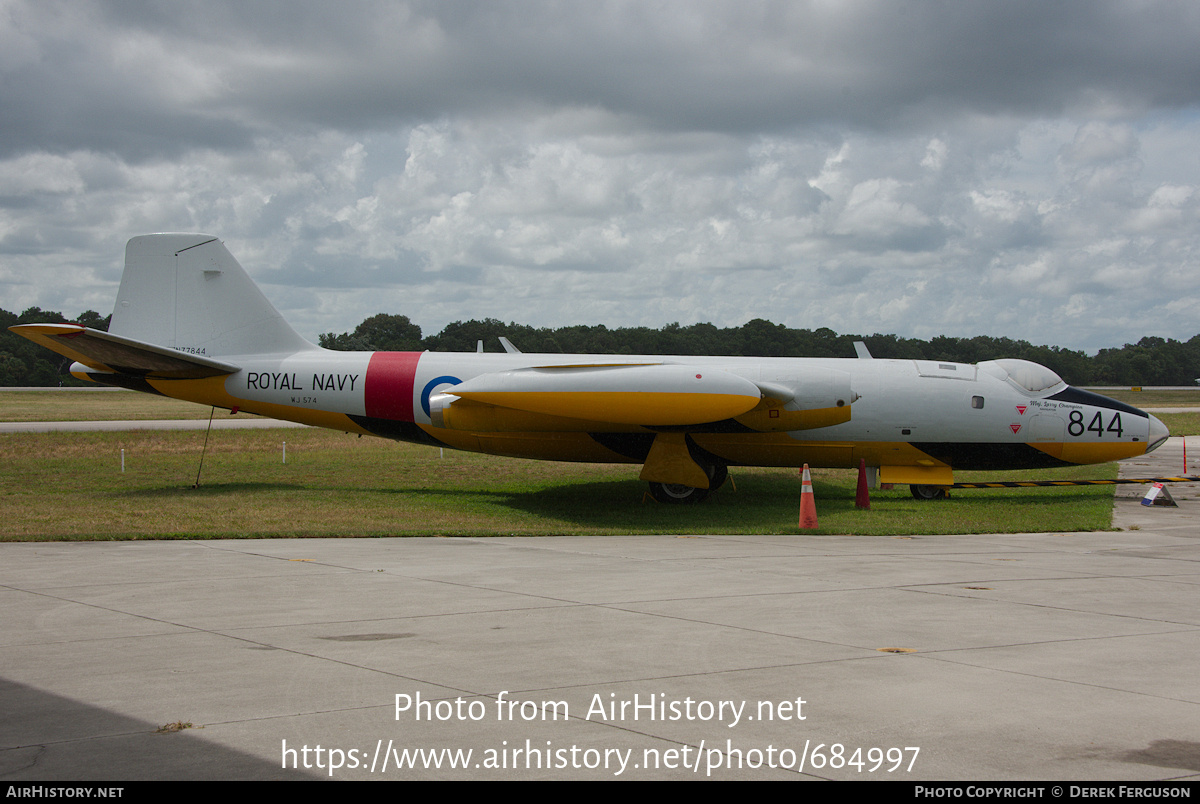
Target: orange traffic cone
{"x": 808, "y": 504}
{"x": 862, "y": 497}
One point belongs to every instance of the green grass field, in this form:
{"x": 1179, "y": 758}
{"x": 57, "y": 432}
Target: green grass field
{"x": 68, "y": 486}
{"x": 1181, "y": 424}
{"x": 1154, "y": 398}
{"x": 96, "y": 405}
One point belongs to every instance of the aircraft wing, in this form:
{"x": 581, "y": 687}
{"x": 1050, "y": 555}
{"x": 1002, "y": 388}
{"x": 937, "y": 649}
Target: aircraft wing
{"x": 648, "y": 394}
{"x": 102, "y": 351}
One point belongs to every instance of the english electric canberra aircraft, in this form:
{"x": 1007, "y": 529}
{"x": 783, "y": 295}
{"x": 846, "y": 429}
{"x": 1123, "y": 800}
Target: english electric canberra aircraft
{"x": 190, "y": 324}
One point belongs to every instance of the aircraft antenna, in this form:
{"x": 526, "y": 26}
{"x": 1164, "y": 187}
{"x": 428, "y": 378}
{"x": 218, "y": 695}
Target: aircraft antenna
{"x": 203, "y": 449}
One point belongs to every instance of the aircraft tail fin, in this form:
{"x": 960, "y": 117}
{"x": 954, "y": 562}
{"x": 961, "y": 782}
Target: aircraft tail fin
{"x": 188, "y": 293}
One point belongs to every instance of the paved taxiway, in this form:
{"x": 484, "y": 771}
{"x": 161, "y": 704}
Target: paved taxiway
{"x": 143, "y": 424}
{"x": 1034, "y": 656}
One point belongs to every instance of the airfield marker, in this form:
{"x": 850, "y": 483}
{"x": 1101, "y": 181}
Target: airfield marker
{"x": 122, "y": 460}
{"x": 285, "y": 452}
{"x": 1158, "y": 495}
{"x": 808, "y": 504}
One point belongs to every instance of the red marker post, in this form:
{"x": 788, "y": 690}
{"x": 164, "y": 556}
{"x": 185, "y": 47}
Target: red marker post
{"x": 862, "y": 496}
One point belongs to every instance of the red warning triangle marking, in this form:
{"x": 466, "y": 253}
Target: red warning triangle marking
{"x": 1016, "y": 428}
{"x": 1021, "y": 409}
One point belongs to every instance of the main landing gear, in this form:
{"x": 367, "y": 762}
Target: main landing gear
{"x": 928, "y": 492}
{"x": 690, "y": 495}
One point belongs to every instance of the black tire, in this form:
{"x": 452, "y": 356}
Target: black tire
{"x": 677, "y": 494}
{"x": 927, "y": 492}
{"x": 717, "y": 475}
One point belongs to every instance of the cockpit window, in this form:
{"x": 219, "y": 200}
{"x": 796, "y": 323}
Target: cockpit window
{"x": 1033, "y": 377}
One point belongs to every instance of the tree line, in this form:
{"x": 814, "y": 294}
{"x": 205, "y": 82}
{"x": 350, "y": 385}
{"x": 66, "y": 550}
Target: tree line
{"x": 23, "y": 362}
{"x": 1150, "y": 361}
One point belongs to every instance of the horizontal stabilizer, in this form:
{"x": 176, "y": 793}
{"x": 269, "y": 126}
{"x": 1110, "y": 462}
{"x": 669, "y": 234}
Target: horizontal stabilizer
{"x": 648, "y": 395}
{"x": 103, "y": 351}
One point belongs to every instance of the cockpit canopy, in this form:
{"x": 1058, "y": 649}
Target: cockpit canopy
{"x": 1033, "y": 378}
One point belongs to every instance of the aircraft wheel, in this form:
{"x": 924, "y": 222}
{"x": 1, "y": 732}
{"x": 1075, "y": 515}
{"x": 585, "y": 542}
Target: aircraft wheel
{"x": 927, "y": 492}
{"x": 677, "y": 493}
{"x": 717, "y": 475}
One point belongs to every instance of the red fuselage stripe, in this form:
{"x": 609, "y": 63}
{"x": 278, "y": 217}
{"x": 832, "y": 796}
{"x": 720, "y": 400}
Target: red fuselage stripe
{"x": 389, "y": 385}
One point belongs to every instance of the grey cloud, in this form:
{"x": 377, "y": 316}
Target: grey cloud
{"x": 1026, "y": 169}
{"x": 144, "y": 79}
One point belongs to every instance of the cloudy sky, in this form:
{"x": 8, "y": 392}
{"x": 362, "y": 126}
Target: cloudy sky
{"x": 1023, "y": 169}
